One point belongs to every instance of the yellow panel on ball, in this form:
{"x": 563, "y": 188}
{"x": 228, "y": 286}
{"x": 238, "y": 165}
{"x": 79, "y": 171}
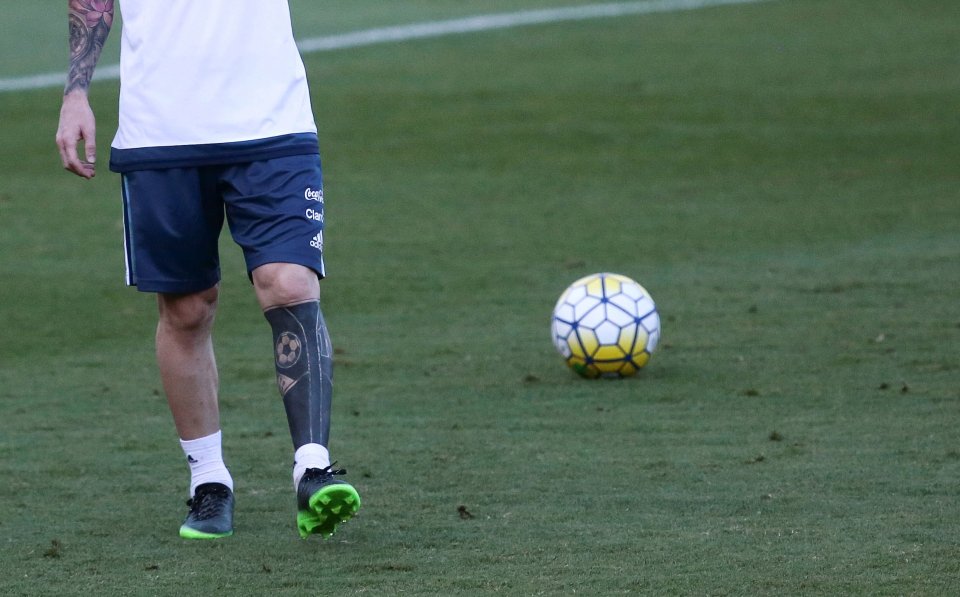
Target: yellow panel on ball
{"x": 595, "y": 287}
{"x": 589, "y": 341}
{"x": 608, "y": 367}
{"x": 575, "y": 361}
{"x": 610, "y": 352}
{"x": 631, "y": 337}
{"x": 612, "y": 284}
{"x": 641, "y": 358}
{"x": 584, "y": 370}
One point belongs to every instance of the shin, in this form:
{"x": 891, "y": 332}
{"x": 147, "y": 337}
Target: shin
{"x": 304, "y": 365}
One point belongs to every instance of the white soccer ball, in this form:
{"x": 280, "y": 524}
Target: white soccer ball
{"x": 605, "y": 325}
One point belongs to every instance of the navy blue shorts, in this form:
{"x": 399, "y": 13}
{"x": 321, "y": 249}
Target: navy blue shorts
{"x": 172, "y": 220}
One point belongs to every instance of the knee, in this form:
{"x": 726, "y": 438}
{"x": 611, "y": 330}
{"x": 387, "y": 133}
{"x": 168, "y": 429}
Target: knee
{"x": 285, "y": 284}
{"x": 189, "y": 312}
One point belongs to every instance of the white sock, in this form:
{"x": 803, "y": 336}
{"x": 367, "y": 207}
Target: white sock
{"x": 205, "y": 457}
{"x": 308, "y": 456}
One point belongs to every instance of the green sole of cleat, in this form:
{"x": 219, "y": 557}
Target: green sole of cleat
{"x": 329, "y": 507}
{"x": 189, "y": 533}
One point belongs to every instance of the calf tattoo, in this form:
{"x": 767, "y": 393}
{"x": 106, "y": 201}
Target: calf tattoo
{"x": 304, "y": 364}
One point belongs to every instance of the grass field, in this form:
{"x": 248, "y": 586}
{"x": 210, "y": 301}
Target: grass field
{"x": 783, "y": 177}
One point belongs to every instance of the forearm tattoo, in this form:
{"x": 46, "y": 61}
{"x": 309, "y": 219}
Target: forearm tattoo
{"x": 90, "y": 22}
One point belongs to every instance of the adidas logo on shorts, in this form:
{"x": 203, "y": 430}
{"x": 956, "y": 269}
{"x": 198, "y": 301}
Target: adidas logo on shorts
{"x": 317, "y": 242}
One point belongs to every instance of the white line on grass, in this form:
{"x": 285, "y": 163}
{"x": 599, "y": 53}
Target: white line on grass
{"x": 397, "y": 33}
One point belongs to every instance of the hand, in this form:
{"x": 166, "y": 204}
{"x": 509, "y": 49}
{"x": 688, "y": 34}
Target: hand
{"x": 77, "y": 124}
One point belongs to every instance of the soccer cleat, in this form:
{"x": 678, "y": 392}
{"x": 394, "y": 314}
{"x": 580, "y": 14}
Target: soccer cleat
{"x": 324, "y": 502}
{"x": 211, "y": 513}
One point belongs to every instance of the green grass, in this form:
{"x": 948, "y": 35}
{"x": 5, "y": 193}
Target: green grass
{"x": 37, "y": 39}
{"x": 783, "y": 179}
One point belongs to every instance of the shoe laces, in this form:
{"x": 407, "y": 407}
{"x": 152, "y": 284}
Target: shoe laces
{"x": 204, "y": 503}
{"x": 325, "y": 472}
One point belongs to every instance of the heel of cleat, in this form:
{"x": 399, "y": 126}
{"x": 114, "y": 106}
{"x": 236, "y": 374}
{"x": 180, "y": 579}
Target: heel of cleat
{"x": 328, "y": 508}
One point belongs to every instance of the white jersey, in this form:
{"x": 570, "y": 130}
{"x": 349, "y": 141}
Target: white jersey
{"x": 196, "y": 72}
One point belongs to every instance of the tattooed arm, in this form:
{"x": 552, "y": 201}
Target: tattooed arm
{"x": 90, "y": 22}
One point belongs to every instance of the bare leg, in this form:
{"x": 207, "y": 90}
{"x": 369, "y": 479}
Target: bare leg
{"x": 188, "y": 368}
{"x": 280, "y": 284}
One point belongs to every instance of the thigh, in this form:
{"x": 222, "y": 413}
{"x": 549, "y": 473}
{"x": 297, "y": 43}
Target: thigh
{"x": 172, "y": 220}
{"x": 275, "y": 210}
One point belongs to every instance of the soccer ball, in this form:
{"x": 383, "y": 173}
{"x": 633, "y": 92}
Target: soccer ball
{"x": 605, "y": 325}
{"x": 288, "y": 350}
